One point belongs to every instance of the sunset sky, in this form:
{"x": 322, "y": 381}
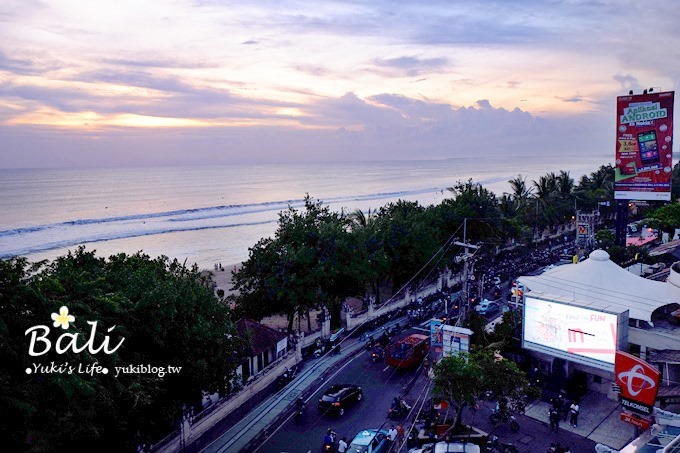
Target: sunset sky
{"x": 130, "y": 82}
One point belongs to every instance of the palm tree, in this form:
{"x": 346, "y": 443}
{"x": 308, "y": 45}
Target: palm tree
{"x": 565, "y": 184}
{"x": 546, "y": 187}
{"x": 520, "y": 190}
{"x": 359, "y": 220}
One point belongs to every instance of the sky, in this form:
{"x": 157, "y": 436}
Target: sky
{"x": 177, "y": 82}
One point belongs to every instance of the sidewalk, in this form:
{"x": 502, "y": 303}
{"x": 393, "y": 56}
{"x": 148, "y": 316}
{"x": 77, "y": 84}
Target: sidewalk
{"x": 598, "y": 420}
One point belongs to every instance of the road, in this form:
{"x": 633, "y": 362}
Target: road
{"x": 380, "y": 384}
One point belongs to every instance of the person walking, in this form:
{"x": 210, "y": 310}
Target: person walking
{"x": 574, "y": 410}
{"x": 400, "y": 433}
{"x": 554, "y": 417}
{"x": 342, "y": 445}
{"x": 392, "y": 434}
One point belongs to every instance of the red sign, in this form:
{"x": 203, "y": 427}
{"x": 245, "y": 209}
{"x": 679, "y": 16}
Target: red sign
{"x": 639, "y": 382}
{"x": 644, "y": 146}
{"x": 634, "y": 420}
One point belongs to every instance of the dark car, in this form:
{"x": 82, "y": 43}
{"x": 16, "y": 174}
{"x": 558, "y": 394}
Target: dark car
{"x": 338, "y": 397}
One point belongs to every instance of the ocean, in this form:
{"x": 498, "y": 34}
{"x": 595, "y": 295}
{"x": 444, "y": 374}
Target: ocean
{"x": 213, "y": 214}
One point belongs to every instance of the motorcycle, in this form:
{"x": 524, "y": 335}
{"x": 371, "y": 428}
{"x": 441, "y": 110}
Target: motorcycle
{"x": 499, "y": 416}
{"x": 378, "y": 355}
{"x": 495, "y": 446}
{"x": 329, "y": 442}
{"x": 399, "y": 409}
{"x": 285, "y": 378}
{"x": 300, "y": 411}
{"x": 335, "y": 350}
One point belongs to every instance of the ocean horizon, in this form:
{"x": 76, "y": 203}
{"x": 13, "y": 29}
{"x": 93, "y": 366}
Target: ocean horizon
{"x": 213, "y": 214}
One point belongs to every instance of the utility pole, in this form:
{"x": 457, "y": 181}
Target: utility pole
{"x": 466, "y": 267}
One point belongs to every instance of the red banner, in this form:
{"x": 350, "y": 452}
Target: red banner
{"x": 639, "y": 382}
{"x": 634, "y": 420}
{"x": 644, "y": 146}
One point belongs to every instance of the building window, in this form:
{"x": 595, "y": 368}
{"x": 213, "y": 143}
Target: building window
{"x": 634, "y": 349}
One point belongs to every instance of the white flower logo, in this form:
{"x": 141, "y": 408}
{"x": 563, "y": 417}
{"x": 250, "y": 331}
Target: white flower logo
{"x": 63, "y": 318}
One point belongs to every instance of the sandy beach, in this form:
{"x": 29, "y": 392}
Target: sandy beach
{"x": 223, "y": 278}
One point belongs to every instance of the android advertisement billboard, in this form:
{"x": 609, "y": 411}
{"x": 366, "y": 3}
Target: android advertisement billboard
{"x": 644, "y": 146}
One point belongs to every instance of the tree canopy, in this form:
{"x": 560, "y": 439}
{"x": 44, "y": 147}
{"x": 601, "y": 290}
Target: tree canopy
{"x": 462, "y": 379}
{"x": 164, "y": 313}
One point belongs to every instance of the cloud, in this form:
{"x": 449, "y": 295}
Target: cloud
{"x": 411, "y": 66}
{"x": 16, "y": 65}
{"x": 157, "y": 63}
{"x": 382, "y": 127}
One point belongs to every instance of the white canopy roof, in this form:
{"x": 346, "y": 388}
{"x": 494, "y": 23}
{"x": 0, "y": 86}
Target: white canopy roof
{"x": 600, "y": 284}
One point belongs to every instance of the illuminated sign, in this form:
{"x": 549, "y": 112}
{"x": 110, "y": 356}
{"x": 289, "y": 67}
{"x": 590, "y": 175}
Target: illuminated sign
{"x": 644, "y": 147}
{"x": 639, "y": 382}
{"x": 455, "y": 340}
{"x": 635, "y": 420}
{"x": 572, "y": 333}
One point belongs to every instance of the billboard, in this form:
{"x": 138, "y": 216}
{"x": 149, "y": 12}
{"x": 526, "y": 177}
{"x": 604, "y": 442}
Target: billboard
{"x": 573, "y": 333}
{"x": 455, "y": 340}
{"x": 644, "y": 146}
{"x": 639, "y": 382}
{"x": 436, "y": 333}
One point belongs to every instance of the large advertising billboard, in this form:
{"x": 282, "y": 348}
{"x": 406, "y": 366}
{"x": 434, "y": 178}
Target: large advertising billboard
{"x": 573, "y": 333}
{"x": 644, "y": 146}
{"x": 639, "y": 382}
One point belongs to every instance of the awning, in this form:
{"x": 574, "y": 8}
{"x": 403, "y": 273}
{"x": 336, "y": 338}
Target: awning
{"x": 600, "y": 284}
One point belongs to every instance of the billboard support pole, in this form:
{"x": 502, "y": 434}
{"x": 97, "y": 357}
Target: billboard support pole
{"x": 621, "y": 222}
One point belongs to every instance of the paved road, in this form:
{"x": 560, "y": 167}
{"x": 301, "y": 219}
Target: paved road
{"x": 380, "y": 383}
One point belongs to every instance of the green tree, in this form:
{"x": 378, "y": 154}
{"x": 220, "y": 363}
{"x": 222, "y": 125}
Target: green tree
{"x": 371, "y": 263}
{"x": 165, "y": 314}
{"x": 462, "y": 379}
{"x": 666, "y": 218}
{"x": 308, "y": 262}
{"x": 605, "y": 239}
{"x": 409, "y": 239}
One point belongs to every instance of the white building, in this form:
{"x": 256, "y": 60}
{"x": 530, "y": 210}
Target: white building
{"x": 576, "y": 316}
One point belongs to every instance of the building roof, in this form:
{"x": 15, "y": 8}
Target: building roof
{"x": 665, "y": 356}
{"x": 259, "y": 337}
{"x": 600, "y": 284}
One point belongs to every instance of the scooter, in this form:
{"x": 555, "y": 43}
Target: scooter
{"x": 300, "y": 410}
{"x": 285, "y": 378}
{"x": 399, "y": 409}
{"x": 329, "y": 442}
{"x": 499, "y": 416}
{"x": 378, "y": 355}
{"x": 495, "y": 446}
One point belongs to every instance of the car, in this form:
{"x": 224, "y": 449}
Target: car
{"x": 338, "y": 397}
{"x": 488, "y": 308}
{"x": 370, "y": 441}
{"x": 448, "y": 447}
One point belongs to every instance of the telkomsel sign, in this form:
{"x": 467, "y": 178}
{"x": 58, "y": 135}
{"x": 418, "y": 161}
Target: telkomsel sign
{"x": 639, "y": 382}
{"x": 644, "y": 146}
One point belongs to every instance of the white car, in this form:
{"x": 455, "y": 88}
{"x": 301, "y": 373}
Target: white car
{"x": 447, "y": 447}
